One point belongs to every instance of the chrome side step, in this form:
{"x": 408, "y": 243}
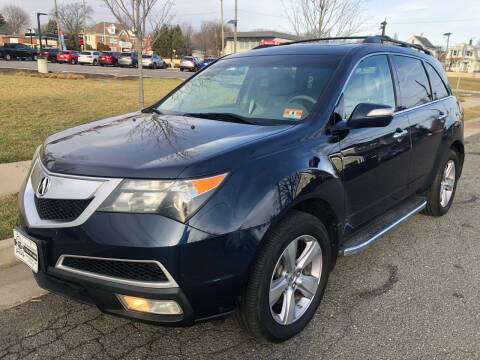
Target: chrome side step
{"x": 372, "y": 231}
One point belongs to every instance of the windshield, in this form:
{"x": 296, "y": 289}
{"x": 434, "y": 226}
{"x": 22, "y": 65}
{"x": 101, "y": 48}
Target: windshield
{"x": 260, "y": 88}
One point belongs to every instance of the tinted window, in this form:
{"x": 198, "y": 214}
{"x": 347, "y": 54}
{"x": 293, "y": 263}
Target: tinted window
{"x": 85, "y": 53}
{"x": 371, "y": 82}
{"x": 439, "y": 90}
{"x": 126, "y": 54}
{"x": 265, "y": 89}
{"x": 147, "y": 56}
{"x": 413, "y": 81}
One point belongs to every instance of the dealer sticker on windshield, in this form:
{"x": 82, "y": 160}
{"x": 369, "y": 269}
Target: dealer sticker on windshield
{"x": 293, "y": 113}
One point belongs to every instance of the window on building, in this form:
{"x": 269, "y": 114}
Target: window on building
{"x": 413, "y": 81}
{"x": 469, "y": 53}
{"x": 101, "y": 39}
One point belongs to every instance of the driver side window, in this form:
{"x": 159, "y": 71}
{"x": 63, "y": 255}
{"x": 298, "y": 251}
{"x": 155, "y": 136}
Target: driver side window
{"x": 371, "y": 82}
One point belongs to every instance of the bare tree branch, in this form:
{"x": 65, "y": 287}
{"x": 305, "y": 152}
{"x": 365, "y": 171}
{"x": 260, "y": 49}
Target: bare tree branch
{"x": 134, "y": 14}
{"x": 324, "y": 18}
{"x": 16, "y": 19}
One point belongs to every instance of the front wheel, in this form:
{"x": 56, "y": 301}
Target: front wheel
{"x": 288, "y": 278}
{"x": 442, "y": 191}
{"x": 7, "y": 57}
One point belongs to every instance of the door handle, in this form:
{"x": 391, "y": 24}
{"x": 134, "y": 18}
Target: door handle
{"x": 400, "y": 133}
{"x": 442, "y": 116}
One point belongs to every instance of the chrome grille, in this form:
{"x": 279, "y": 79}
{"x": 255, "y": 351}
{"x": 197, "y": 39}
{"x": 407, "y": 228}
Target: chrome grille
{"x": 60, "y": 209}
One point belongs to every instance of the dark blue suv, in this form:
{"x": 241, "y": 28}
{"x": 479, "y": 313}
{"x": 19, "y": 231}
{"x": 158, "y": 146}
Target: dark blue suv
{"x": 238, "y": 190}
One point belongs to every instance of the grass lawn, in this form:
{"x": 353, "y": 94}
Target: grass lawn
{"x": 8, "y": 215}
{"x": 33, "y": 108}
{"x": 472, "y": 113}
{"x": 465, "y": 83}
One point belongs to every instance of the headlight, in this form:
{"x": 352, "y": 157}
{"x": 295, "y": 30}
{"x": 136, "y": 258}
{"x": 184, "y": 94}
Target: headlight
{"x": 176, "y": 199}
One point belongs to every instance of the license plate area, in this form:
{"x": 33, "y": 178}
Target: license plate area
{"x": 25, "y": 250}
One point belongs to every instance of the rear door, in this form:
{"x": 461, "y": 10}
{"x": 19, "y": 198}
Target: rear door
{"x": 426, "y": 112}
{"x": 376, "y": 159}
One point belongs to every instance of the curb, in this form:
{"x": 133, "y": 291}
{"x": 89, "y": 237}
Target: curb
{"x": 6, "y": 253}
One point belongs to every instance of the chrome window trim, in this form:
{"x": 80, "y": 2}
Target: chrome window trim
{"x": 392, "y": 53}
{"x": 96, "y": 188}
{"x": 171, "y": 283}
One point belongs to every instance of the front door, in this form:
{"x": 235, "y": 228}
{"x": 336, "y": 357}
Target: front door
{"x": 375, "y": 160}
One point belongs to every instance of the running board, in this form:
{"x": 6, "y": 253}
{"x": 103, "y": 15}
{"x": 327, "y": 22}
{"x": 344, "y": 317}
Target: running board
{"x": 362, "y": 238}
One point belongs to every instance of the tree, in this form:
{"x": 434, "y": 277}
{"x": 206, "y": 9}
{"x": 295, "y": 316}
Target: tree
{"x": 168, "y": 39}
{"x": 324, "y": 18}
{"x": 209, "y": 38}
{"x": 71, "y": 19}
{"x": 134, "y": 14}
{"x": 2, "y": 21}
{"x": 102, "y": 47}
{"x": 15, "y": 19}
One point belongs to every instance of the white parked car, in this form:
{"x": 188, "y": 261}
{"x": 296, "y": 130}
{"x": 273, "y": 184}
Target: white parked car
{"x": 153, "y": 61}
{"x": 88, "y": 57}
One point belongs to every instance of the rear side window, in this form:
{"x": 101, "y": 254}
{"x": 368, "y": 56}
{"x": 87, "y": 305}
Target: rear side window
{"x": 439, "y": 90}
{"x": 371, "y": 82}
{"x": 413, "y": 82}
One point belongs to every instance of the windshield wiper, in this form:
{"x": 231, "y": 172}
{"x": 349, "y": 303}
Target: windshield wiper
{"x": 220, "y": 116}
{"x": 151, "y": 109}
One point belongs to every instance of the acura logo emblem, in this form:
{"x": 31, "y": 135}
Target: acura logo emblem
{"x": 43, "y": 186}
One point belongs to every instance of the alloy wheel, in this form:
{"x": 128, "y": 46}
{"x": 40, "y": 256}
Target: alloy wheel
{"x": 295, "y": 279}
{"x": 447, "y": 184}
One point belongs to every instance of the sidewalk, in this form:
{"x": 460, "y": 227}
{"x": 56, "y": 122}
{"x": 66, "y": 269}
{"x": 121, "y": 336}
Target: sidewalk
{"x": 12, "y": 176}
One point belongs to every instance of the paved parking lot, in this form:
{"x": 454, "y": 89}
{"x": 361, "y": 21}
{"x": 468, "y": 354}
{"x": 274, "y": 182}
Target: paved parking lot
{"x": 412, "y": 295}
{"x": 88, "y": 69}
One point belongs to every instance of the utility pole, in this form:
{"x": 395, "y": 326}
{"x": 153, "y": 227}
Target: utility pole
{"x": 446, "y": 49}
{"x": 84, "y": 24}
{"x": 223, "y": 33}
{"x": 235, "y": 29}
{"x": 58, "y": 26}
{"x": 383, "y": 26}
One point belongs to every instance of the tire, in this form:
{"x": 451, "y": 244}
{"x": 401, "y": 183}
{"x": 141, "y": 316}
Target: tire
{"x": 7, "y": 57}
{"x": 436, "y": 206}
{"x": 255, "y": 313}
{"x": 181, "y": 69}
{"x": 154, "y": 66}
{"x": 95, "y": 62}
{"x": 72, "y": 61}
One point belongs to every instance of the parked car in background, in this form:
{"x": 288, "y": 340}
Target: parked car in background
{"x": 88, "y": 57}
{"x": 153, "y": 61}
{"x": 128, "y": 59}
{"x": 68, "y": 56}
{"x": 18, "y": 51}
{"x": 108, "y": 58}
{"x": 50, "y": 54}
{"x": 189, "y": 63}
{"x": 207, "y": 61}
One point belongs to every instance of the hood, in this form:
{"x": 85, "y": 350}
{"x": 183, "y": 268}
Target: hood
{"x": 139, "y": 145}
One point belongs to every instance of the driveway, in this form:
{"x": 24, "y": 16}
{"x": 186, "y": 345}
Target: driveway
{"x": 88, "y": 69}
{"x": 414, "y": 294}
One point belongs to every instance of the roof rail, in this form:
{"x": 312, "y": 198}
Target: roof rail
{"x": 376, "y": 39}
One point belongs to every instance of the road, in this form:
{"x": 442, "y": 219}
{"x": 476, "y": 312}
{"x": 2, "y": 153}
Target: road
{"x": 88, "y": 69}
{"x": 412, "y": 295}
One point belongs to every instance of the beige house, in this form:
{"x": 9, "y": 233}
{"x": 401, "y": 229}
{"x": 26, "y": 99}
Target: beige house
{"x": 248, "y": 40}
{"x": 463, "y": 57}
{"x": 116, "y": 36}
{"x": 425, "y": 43}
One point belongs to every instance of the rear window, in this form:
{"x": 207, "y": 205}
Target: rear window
{"x": 126, "y": 54}
{"x": 147, "y": 56}
{"x": 187, "y": 58}
{"x": 413, "y": 81}
{"x": 65, "y": 52}
{"x": 106, "y": 53}
{"x": 439, "y": 89}
{"x": 85, "y": 53}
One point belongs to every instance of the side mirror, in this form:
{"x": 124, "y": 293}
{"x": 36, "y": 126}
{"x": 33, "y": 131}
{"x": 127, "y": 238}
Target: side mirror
{"x": 370, "y": 115}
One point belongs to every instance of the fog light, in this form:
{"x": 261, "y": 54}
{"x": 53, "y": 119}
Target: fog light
{"x": 161, "y": 307}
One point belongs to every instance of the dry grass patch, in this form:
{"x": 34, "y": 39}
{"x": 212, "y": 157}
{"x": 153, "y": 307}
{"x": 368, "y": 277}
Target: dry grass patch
{"x": 35, "y": 107}
{"x": 8, "y": 215}
{"x": 472, "y": 113}
{"x": 465, "y": 83}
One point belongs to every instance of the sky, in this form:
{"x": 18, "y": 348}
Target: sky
{"x": 433, "y": 18}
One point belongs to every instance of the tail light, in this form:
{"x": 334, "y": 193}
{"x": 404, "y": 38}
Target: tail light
{"x": 89, "y": 56}
{"x": 460, "y": 105}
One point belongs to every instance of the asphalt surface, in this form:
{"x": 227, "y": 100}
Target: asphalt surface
{"x": 414, "y": 294}
{"x": 89, "y": 69}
